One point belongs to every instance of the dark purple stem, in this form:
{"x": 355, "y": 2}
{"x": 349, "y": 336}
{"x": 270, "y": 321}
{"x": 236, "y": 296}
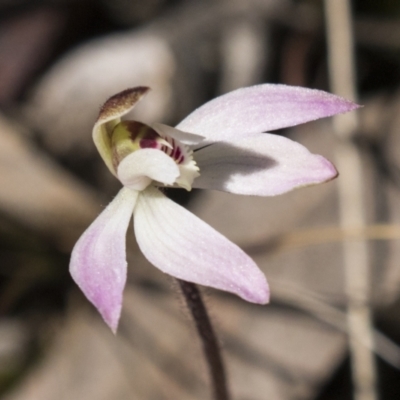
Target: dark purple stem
{"x": 205, "y": 330}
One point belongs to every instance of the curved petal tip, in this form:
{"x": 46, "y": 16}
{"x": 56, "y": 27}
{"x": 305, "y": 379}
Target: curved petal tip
{"x": 121, "y": 103}
{"x": 259, "y": 293}
{"x": 330, "y": 171}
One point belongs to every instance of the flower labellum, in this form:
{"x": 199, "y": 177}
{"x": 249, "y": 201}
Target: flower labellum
{"x": 220, "y": 146}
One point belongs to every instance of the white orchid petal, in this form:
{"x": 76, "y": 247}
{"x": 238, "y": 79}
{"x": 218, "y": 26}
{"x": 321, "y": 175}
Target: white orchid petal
{"x": 261, "y": 108}
{"x": 182, "y": 245}
{"x": 261, "y": 164}
{"x": 141, "y": 167}
{"x": 98, "y": 260}
{"x": 183, "y": 137}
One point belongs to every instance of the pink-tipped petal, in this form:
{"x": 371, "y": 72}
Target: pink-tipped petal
{"x": 98, "y": 260}
{"x": 262, "y": 164}
{"x": 182, "y": 245}
{"x": 261, "y": 108}
{"x": 141, "y": 167}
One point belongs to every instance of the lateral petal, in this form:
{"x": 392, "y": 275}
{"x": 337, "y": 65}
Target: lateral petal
{"x": 261, "y": 164}
{"x": 98, "y": 260}
{"x": 140, "y": 168}
{"x": 184, "y": 246}
{"x": 261, "y": 108}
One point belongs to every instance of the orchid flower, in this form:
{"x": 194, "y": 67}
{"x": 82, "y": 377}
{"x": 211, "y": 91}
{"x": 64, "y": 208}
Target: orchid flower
{"x": 219, "y": 146}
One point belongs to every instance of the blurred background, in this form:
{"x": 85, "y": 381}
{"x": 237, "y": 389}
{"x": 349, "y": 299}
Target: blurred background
{"x": 59, "y": 61}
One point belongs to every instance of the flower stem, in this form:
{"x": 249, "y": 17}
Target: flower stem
{"x": 205, "y": 330}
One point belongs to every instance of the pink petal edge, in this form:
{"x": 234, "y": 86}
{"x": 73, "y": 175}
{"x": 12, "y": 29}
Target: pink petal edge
{"x": 98, "y": 261}
{"x": 261, "y": 108}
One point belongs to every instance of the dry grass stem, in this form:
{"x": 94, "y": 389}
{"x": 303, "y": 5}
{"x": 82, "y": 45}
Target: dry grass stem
{"x": 351, "y": 204}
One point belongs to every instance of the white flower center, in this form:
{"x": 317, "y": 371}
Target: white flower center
{"x": 130, "y": 136}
